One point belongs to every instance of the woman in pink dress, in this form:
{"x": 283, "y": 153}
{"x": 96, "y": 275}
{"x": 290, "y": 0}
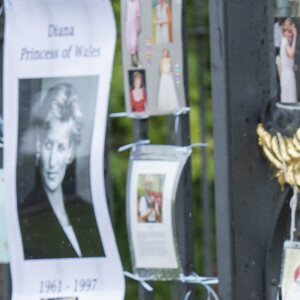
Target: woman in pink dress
{"x": 133, "y": 30}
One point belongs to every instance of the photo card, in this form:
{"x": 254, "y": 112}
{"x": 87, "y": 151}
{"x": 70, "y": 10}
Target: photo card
{"x": 152, "y": 181}
{"x": 290, "y": 276}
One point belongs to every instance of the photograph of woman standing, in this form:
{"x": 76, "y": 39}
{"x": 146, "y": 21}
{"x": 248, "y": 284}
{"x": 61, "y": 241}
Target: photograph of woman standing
{"x": 163, "y": 22}
{"x": 287, "y": 54}
{"x": 167, "y": 97}
{"x": 133, "y": 28}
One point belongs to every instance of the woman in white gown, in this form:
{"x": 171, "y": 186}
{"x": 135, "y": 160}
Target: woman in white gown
{"x": 287, "y": 54}
{"x": 167, "y": 97}
{"x": 162, "y": 19}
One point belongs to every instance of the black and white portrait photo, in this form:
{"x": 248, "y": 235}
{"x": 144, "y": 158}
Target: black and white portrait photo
{"x": 56, "y": 215}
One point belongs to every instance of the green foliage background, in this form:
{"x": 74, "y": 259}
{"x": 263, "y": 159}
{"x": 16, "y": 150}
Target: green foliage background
{"x": 120, "y": 133}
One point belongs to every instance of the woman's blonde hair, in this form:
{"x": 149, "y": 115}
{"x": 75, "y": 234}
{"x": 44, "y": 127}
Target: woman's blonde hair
{"x": 287, "y": 25}
{"x": 61, "y": 103}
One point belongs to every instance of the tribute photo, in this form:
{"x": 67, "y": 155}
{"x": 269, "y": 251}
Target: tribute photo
{"x": 287, "y": 8}
{"x": 162, "y": 21}
{"x": 150, "y": 200}
{"x": 291, "y": 274}
{"x": 55, "y": 207}
{"x": 138, "y": 95}
{"x": 132, "y": 31}
{"x": 167, "y": 95}
{"x": 287, "y": 59}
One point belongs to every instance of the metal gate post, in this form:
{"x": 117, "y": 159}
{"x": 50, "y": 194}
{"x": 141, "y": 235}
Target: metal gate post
{"x": 243, "y": 79}
{"x": 185, "y": 230}
{"x": 140, "y": 131}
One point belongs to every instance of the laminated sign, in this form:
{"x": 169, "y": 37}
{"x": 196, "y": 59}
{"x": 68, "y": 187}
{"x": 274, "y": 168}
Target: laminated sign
{"x": 58, "y": 59}
{"x": 153, "y": 176}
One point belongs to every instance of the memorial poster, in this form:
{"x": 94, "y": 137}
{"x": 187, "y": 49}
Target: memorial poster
{"x": 152, "y": 50}
{"x": 58, "y": 59}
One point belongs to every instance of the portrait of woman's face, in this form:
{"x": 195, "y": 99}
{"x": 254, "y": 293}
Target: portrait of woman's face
{"x": 137, "y": 81}
{"x": 56, "y": 153}
{"x": 166, "y": 53}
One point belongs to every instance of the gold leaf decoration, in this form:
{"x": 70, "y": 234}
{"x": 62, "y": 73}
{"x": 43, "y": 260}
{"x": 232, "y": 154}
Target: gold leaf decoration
{"x": 284, "y": 155}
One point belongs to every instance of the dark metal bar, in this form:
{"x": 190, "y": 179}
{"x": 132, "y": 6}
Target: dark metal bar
{"x": 205, "y": 201}
{"x": 185, "y": 214}
{"x": 184, "y": 192}
{"x": 140, "y": 131}
{"x": 243, "y": 79}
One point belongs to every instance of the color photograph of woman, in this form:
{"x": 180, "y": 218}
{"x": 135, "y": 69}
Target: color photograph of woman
{"x": 287, "y": 8}
{"x": 167, "y": 99}
{"x": 290, "y": 277}
{"x": 287, "y": 66}
{"x": 150, "y": 198}
{"x": 138, "y": 97}
{"x": 162, "y": 21}
{"x": 55, "y": 220}
{"x": 294, "y": 291}
{"x": 133, "y": 29}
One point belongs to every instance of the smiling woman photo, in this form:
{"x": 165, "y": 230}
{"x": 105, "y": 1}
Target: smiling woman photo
{"x": 55, "y": 222}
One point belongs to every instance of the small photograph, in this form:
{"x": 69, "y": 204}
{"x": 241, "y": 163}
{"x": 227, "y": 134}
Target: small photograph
{"x": 167, "y": 99}
{"x": 68, "y": 298}
{"x": 138, "y": 95}
{"x": 287, "y": 51}
{"x": 291, "y": 274}
{"x": 162, "y": 21}
{"x": 132, "y": 31}
{"x": 150, "y": 198}
{"x": 287, "y": 8}
{"x": 55, "y": 206}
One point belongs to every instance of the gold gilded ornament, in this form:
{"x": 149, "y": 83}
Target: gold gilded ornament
{"x": 284, "y": 155}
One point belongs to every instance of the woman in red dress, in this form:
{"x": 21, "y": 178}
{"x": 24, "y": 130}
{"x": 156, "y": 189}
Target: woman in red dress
{"x": 138, "y": 98}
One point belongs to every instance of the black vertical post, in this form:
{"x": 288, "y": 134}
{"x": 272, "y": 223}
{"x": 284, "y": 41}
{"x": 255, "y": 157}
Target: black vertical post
{"x": 184, "y": 192}
{"x": 140, "y": 132}
{"x": 205, "y": 194}
{"x": 243, "y": 79}
{"x": 184, "y": 213}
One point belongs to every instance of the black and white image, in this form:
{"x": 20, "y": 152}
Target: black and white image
{"x": 55, "y": 208}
